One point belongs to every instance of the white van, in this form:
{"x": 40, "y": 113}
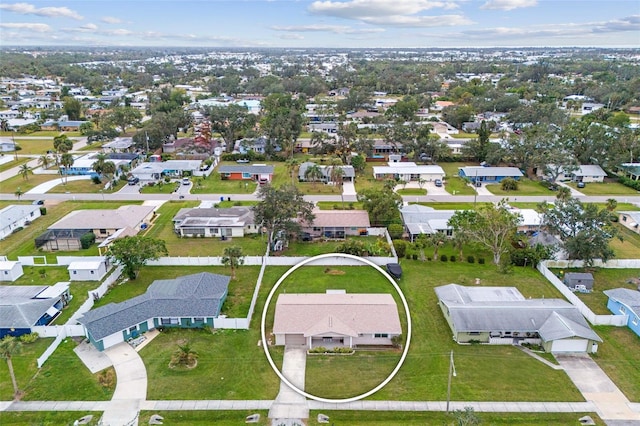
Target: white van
{"x": 186, "y": 181}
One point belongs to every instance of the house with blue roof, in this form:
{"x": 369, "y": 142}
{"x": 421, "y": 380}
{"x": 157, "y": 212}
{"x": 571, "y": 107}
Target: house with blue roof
{"x": 624, "y": 301}
{"x": 190, "y": 301}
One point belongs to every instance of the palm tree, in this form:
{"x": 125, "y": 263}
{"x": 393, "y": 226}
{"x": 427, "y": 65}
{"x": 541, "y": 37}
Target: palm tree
{"x": 44, "y": 161}
{"x": 612, "y": 203}
{"x": 24, "y": 171}
{"x": 98, "y": 165}
{"x": 184, "y": 355}
{"x": 19, "y": 192}
{"x": 109, "y": 169}
{"x": 459, "y": 240}
{"x": 436, "y": 240}
{"x": 10, "y": 346}
{"x": 233, "y": 257}
{"x": 313, "y": 173}
{"x": 66, "y": 160}
{"x": 563, "y": 194}
{"x": 292, "y": 166}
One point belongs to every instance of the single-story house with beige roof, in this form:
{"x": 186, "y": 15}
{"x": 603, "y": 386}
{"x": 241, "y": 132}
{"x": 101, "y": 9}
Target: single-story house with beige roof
{"x": 65, "y": 234}
{"x": 335, "y": 318}
{"x": 338, "y": 223}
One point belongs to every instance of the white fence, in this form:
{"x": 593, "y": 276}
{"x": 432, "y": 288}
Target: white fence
{"x": 60, "y": 260}
{"x": 611, "y": 264}
{"x": 616, "y": 320}
{"x": 70, "y": 328}
{"x": 235, "y": 323}
{"x": 270, "y": 261}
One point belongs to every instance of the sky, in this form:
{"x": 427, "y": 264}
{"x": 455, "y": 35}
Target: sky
{"x": 322, "y": 23}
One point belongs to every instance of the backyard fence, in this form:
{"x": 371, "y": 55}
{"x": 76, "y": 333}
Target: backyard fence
{"x": 615, "y": 320}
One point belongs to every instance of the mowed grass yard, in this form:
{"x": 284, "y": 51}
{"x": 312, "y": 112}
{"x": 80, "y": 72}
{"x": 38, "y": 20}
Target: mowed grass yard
{"x": 46, "y": 418}
{"x": 205, "y": 418}
{"x": 53, "y": 382}
{"x": 238, "y": 298}
{"x": 252, "y": 245}
{"x": 13, "y": 163}
{"x": 453, "y": 183}
{"x": 34, "y": 146}
{"x": 604, "y": 188}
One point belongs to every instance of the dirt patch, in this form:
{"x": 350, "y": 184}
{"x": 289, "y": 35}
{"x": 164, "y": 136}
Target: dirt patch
{"x": 334, "y": 271}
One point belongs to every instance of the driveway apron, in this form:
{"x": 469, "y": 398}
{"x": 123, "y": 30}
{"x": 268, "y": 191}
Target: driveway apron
{"x": 289, "y": 405}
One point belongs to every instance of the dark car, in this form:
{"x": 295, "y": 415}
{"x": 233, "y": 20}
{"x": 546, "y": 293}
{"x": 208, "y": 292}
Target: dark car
{"x": 305, "y": 236}
{"x": 438, "y": 182}
{"x": 580, "y": 184}
{"x": 478, "y": 184}
{"x": 38, "y": 202}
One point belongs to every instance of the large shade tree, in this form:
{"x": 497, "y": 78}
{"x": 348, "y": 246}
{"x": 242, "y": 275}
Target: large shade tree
{"x": 491, "y": 226}
{"x": 382, "y": 205}
{"x": 282, "y": 209}
{"x": 232, "y": 122}
{"x": 134, "y": 252}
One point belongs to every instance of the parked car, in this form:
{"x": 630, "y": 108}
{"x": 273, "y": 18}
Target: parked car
{"x": 38, "y": 202}
{"x": 581, "y": 184}
{"x": 438, "y": 182}
{"x": 478, "y": 184}
{"x": 186, "y": 181}
{"x": 133, "y": 180}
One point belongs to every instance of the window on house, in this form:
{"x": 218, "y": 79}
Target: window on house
{"x": 132, "y": 329}
{"x": 6, "y": 272}
{"x": 474, "y": 333}
{"x": 623, "y": 310}
{"x": 103, "y": 231}
{"x": 634, "y": 321}
{"x": 198, "y": 319}
{"x": 380, "y": 335}
{"x": 169, "y": 321}
{"x": 93, "y": 272}
{"x": 75, "y": 272}
{"x": 246, "y": 175}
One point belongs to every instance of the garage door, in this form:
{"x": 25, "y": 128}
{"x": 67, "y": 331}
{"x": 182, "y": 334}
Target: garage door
{"x": 569, "y": 345}
{"x": 294, "y": 339}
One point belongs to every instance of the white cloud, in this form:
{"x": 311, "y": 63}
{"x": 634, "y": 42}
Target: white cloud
{"x": 337, "y": 29}
{"x": 628, "y": 23}
{"x": 291, "y": 36}
{"x": 420, "y": 21}
{"x": 119, "y": 32}
{"x": 508, "y": 4}
{"x": 50, "y": 12}
{"x": 40, "y": 28}
{"x": 111, "y": 20}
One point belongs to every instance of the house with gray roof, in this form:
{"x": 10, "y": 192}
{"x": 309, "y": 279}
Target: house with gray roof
{"x": 348, "y": 173}
{"x": 190, "y": 301}
{"x": 489, "y": 174}
{"x": 625, "y": 301}
{"x": 335, "y": 319}
{"x": 215, "y": 222}
{"x": 17, "y": 216}
{"x": 26, "y": 306}
{"x": 502, "y": 315}
{"x": 420, "y": 219}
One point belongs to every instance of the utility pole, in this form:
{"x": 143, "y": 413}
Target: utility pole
{"x": 452, "y": 373}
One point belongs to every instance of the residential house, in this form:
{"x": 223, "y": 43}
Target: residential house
{"x": 65, "y": 234}
{"x": 93, "y": 270}
{"x": 25, "y": 306}
{"x": 630, "y": 220}
{"x": 624, "y": 301}
{"x": 63, "y": 125}
{"x": 190, "y": 301}
{"x": 335, "y": 319}
{"x": 338, "y": 223}
{"x": 10, "y": 270}
{"x": 119, "y": 144}
{"x": 7, "y": 145}
{"x": 257, "y": 145}
{"x": 154, "y": 171}
{"x": 408, "y": 171}
{"x": 489, "y": 174}
{"x": 213, "y": 222}
{"x": 630, "y": 170}
{"x": 16, "y": 216}
{"x": 588, "y": 173}
{"x": 83, "y": 165}
{"x": 348, "y": 172}
{"x": 261, "y": 173}
{"x": 578, "y": 281}
{"x": 502, "y": 315}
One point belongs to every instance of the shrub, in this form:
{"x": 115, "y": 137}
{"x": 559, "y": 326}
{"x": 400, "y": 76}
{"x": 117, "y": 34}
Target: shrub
{"x": 408, "y": 256}
{"x": 96, "y": 179}
{"x": 509, "y": 184}
{"x": 318, "y": 350}
{"x": 29, "y": 338}
{"x": 87, "y": 240}
{"x": 395, "y": 230}
{"x": 414, "y": 256}
{"x": 16, "y": 230}
{"x": 471, "y": 259}
{"x": 42, "y": 272}
{"x": 481, "y": 260}
{"x": 43, "y": 211}
{"x": 443, "y": 258}
{"x": 452, "y": 258}
{"x": 401, "y": 247}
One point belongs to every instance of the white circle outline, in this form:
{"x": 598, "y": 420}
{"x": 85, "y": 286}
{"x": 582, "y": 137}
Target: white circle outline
{"x": 277, "y": 370}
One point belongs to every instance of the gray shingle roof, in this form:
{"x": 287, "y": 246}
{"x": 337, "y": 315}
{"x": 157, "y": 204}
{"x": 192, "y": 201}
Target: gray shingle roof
{"x": 19, "y": 308}
{"x": 628, "y": 297}
{"x": 11, "y": 214}
{"x": 196, "y": 295}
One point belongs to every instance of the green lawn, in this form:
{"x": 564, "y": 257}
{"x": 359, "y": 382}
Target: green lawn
{"x": 412, "y": 191}
{"x": 34, "y": 146}
{"x": 526, "y": 187}
{"x": 464, "y": 135}
{"x": 619, "y": 357}
{"x": 80, "y": 292}
{"x": 205, "y": 418}
{"x": 23, "y": 242}
{"x": 252, "y": 245}
{"x": 52, "y": 274}
{"x": 160, "y": 188}
{"x": 85, "y": 186}
{"x": 54, "y": 383}
{"x": 336, "y": 205}
{"x": 604, "y": 188}
{"x": 11, "y": 185}
{"x": 365, "y": 180}
{"x": 45, "y": 418}
{"x": 238, "y": 299}
{"x": 213, "y": 184}
{"x": 14, "y": 163}
{"x": 231, "y": 365}
{"x": 24, "y": 366}
{"x": 454, "y": 184}
{"x": 629, "y": 247}
{"x": 452, "y": 206}
{"x": 402, "y": 418}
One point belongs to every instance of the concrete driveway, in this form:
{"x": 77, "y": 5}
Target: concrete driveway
{"x": 289, "y": 405}
{"x": 597, "y": 387}
{"x": 47, "y": 186}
